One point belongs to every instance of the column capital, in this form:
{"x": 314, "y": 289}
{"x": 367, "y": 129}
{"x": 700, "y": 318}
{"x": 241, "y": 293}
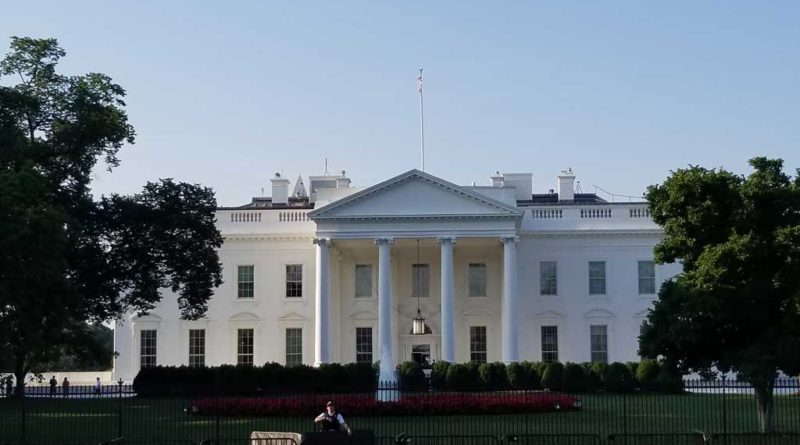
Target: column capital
{"x": 509, "y": 239}
{"x": 322, "y": 241}
{"x": 386, "y": 239}
{"x": 446, "y": 239}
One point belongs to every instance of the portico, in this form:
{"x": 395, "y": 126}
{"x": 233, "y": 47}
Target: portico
{"x": 447, "y": 220}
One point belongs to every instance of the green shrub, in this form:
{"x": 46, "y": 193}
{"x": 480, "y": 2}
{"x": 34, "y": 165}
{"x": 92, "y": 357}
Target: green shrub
{"x": 574, "y": 378}
{"x": 361, "y": 376}
{"x": 461, "y": 377}
{"x": 647, "y": 374}
{"x": 493, "y": 376}
{"x": 619, "y": 378}
{"x": 474, "y": 375}
{"x": 439, "y": 375}
{"x": 522, "y": 375}
{"x": 593, "y": 382}
{"x": 669, "y": 381}
{"x": 535, "y": 373}
{"x": 332, "y": 377}
{"x": 553, "y": 376}
{"x": 633, "y": 367}
{"x": 412, "y": 378}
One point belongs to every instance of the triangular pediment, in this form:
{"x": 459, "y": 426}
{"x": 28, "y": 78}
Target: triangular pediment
{"x": 415, "y": 194}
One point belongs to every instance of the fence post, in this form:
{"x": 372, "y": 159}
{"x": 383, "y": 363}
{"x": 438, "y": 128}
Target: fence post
{"x": 120, "y": 382}
{"x": 22, "y": 426}
{"x": 625, "y": 413}
{"x": 724, "y": 410}
{"x": 217, "y": 420}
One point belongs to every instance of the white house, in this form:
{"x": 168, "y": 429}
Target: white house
{"x": 337, "y": 275}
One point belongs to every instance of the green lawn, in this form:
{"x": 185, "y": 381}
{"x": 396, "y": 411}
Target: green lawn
{"x": 90, "y": 421}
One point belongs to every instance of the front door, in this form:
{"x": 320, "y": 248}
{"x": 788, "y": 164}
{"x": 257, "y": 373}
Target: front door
{"x": 421, "y": 353}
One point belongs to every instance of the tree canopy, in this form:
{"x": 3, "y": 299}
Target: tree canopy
{"x": 736, "y": 306}
{"x": 66, "y": 258}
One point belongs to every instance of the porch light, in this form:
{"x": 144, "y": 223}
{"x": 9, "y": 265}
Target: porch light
{"x": 418, "y": 322}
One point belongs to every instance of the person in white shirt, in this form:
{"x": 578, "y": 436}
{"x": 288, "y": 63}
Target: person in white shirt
{"x": 330, "y": 420}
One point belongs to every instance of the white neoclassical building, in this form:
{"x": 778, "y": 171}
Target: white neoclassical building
{"x": 334, "y": 273}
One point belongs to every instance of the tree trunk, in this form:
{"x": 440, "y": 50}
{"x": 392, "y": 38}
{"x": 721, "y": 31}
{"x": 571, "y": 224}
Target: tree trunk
{"x": 764, "y": 400}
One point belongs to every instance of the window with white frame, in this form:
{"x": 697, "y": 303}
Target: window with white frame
{"x": 197, "y": 347}
{"x": 246, "y": 281}
{"x": 477, "y": 344}
{"x": 294, "y": 280}
{"x": 549, "y": 344}
{"x": 598, "y": 342}
{"x": 548, "y": 278}
{"x": 477, "y": 279}
{"x": 421, "y": 280}
{"x": 363, "y": 345}
{"x": 597, "y": 277}
{"x": 245, "y": 339}
{"x": 148, "y": 339}
{"x": 294, "y": 346}
{"x": 647, "y": 277}
{"x": 363, "y": 280}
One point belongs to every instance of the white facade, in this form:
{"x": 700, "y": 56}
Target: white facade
{"x": 306, "y": 278}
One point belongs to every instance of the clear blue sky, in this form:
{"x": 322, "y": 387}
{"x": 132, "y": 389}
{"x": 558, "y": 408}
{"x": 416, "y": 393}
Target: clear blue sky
{"x": 226, "y": 93}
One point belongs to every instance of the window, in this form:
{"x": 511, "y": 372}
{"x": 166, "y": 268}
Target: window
{"x": 477, "y": 344}
{"x": 294, "y": 280}
{"x": 147, "y": 351}
{"x": 363, "y": 280}
{"x": 363, "y": 345}
{"x": 420, "y": 280}
{"x": 247, "y": 282}
{"x": 244, "y": 346}
{"x": 548, "y": 280}
{"x": 197, "y": 347}
{"x": 598, "y": 340}
{"x": 477, "y": 279}
{"x": 597, "y": 277}
{"x": 549, "y": 344}
{"x": 294, "y": 346}
{"x": 647, "y": 277}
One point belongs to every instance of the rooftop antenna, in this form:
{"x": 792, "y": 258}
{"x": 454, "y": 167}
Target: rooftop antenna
{"x": 421, "y": 121}
{"x": 326, "y": 168}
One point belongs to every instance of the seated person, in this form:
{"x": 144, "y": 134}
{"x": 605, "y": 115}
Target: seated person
{"x": 330, "y": 420}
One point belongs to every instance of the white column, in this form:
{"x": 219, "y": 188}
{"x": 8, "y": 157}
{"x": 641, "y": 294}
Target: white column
{"x": 448, "y": 341}
{"x": 322, "y": 304}
{"x": 385, "y": 308}
{"x": 509, "y": 303}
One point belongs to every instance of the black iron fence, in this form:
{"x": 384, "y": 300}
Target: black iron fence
{"x": 706, "y": 412}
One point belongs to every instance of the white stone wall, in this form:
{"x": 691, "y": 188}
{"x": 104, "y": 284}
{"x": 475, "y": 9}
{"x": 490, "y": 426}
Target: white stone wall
{"x": 573, "y": 310}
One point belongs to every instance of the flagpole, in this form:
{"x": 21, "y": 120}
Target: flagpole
{"x": 421, "y": 121}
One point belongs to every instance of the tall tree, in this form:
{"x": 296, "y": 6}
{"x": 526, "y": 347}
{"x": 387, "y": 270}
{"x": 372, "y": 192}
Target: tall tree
{"x": 736, "y": 306}
{"x": 65, "y": 258}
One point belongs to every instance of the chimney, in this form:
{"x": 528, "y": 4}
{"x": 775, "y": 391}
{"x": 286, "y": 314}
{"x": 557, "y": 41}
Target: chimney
{"x": 280, "y": 190}
{"x": 497, "y": 179}
{"x": 566, "y": 185}
{"x": 342, "y": 182}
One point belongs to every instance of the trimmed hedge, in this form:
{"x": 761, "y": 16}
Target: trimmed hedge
{"x": 553, "y": 377}
{"x": 647, "y": 374}
{"x": 412, "y": 378}
{"x": 574, "y": 379}
{"x": 493, "y": 376}
{"x": 242, "y": 380}
{"x": 619, "y": 378}
{"x": 361, "y": 377}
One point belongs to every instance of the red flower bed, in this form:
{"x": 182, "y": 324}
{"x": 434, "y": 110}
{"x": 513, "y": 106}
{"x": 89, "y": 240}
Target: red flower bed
{"x": 356, "y": 405}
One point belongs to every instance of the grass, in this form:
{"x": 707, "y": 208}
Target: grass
{"x": 74, "y": 421}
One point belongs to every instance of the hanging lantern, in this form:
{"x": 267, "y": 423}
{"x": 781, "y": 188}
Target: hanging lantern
{"x": 418, "y": 322}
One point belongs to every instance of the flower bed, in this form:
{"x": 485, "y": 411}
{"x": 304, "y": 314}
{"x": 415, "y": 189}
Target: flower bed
{"x": 356, "y": 405}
